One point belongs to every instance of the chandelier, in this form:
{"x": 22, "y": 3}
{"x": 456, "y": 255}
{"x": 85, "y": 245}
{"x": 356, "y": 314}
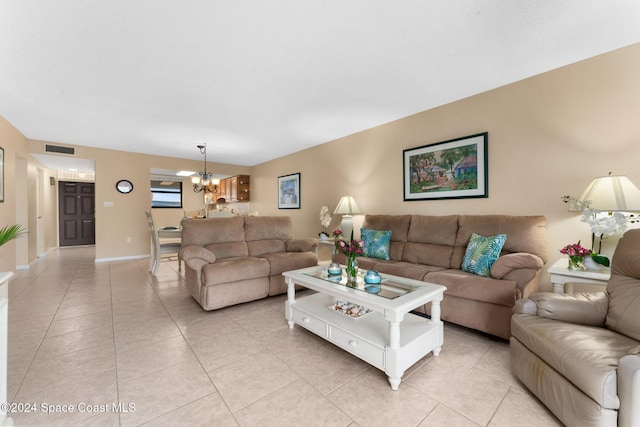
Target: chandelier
{"x": 204, "y": 180}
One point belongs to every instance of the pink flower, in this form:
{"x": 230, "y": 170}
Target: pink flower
{"x": 354, "y": 247}
{"x": 575, "y": 250}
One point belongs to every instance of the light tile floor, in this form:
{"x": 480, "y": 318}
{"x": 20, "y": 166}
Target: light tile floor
{"x": 86, "y": 337}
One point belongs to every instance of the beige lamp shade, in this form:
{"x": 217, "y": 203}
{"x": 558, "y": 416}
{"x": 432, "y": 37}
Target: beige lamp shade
{"x": 613, "y": 193}
{"x": 347, "y": 206}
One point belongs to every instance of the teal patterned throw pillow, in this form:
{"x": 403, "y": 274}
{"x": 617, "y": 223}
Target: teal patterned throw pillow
{"x": 481, "y": 253}
{"x": 376, "y": 243}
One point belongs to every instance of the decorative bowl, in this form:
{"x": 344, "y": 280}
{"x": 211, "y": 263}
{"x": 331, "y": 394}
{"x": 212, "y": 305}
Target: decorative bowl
{"x": 372, "y": 276}
{"x": 334, "y": 269}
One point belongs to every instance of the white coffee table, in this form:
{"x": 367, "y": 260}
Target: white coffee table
{"x": 389, "y": 337}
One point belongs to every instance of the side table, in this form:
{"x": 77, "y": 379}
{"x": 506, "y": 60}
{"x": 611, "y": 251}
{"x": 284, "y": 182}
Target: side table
{"x": 328, "y": 242}
{"x": 560, "y": 276}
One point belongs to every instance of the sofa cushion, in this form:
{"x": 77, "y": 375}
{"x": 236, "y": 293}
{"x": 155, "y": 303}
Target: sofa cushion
{"x": 585, "y": 355}
{"x": 526, "y": 234}
{"x": 426, "y": 253}
{"x": 473, "y": 287}
{"x": 624, "y": 287}
{"x": 430, "y": 240}
{"x": 280, "y": 262}
{"x": 234, "y": 269}
{"x": 399, "y": 227}
{"x": 436, "y": 230}
{"x": 268, "y": 228}
{"x": 267, "y": 234}
{"x": 376, "y": 242}
{"x": 481, "y": 253}
{"x": 228, "y": 250}
{"x": 267, "y": 246}
{"x": 301, "y": 245}
{"x": 403, "y": 269}
{"x": 203, "y": 232}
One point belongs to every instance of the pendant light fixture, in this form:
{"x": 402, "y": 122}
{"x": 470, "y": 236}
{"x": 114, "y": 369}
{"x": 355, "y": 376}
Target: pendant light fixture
{"x": 204, "y": 181}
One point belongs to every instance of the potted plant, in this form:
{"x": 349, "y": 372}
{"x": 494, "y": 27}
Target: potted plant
{"x": 10, "y": 232}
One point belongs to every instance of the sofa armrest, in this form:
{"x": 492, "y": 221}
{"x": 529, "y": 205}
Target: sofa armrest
{"x": 525, "y": 306}
{"x": 301, "y": 245}
{"x": 586, "y": 308}
{"x": 517, "y": 261}
{"x": 629, "y": 390}
{"x": 193, "y": 252}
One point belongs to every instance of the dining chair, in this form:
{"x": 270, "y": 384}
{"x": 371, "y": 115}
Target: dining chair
{"x": 157, "y": 248}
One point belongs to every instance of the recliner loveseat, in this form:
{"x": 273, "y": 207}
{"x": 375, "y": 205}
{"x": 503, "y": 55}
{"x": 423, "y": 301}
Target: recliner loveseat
{"x": 580, "y": 353}
{"x": 234, "y": 260}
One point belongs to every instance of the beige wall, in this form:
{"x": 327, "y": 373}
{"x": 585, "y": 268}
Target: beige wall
{"x": 549, "y": 136}
{"x": 13, "y": 143}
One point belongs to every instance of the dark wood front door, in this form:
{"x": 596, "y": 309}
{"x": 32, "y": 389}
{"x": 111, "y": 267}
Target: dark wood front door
{"x": 76, "y": 205}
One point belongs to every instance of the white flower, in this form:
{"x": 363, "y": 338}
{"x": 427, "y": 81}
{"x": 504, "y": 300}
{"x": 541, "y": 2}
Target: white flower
{"x": 325, "y": 216}
{"x": 604, "y": 225}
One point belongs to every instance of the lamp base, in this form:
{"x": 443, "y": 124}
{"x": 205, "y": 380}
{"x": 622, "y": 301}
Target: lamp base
{"x": 346, "y": 226}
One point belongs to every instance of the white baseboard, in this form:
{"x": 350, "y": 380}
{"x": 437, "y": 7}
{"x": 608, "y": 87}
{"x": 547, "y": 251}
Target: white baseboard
{"x": 44, "y": 254}
{"x": 124, "y": 258}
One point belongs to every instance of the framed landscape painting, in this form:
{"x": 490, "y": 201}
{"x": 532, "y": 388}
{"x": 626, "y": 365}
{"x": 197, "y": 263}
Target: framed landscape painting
{"x": 289, "y": 191}
{"x": 453, "y": 169}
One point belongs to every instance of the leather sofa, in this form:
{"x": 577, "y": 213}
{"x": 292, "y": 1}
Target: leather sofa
{"x": 234, "y": 260}
{"x": 580, "y": 353}
{"x": 432, "y": 248}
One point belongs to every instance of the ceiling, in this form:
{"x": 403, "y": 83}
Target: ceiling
{"x": 258, "y": 80}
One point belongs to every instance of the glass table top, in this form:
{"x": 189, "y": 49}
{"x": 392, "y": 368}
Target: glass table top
{"x": 388, "y": 288}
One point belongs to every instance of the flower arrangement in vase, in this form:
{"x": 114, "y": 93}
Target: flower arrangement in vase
{"x": 576, "y": 255}
{"x": 352, "y": 249}
{"x": 602, "y": 226}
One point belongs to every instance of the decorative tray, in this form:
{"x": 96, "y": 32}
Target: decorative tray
{"x": 348, "y": 309}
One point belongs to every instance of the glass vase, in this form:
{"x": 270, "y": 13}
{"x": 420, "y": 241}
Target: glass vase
{"x": 576, "y": 263}
{"x": 352, "y": 271}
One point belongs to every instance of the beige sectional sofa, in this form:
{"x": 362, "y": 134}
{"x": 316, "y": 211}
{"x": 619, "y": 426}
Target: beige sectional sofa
{"x": 580, "y": 353}
{"x": 234, "y": 260}
{"x": 432, "y": 248}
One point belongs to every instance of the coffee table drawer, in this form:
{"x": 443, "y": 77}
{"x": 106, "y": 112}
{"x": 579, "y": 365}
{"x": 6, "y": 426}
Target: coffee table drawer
{"x": 364, "y": 350}
{"x": 309, "y": 322}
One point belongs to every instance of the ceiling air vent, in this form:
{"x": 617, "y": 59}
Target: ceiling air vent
{"x": 58, "y": 149}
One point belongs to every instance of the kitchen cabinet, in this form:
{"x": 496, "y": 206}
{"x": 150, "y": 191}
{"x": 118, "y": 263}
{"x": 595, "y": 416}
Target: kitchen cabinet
{"x": 234, "y": 189}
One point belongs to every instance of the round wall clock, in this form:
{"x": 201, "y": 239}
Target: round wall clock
{"x": 124, "y": 186}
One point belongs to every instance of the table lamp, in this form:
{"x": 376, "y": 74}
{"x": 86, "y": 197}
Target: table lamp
{"x": 612, "y": 193}
{"x": 347, "y": 207}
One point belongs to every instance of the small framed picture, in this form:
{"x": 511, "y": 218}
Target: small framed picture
{"x": 289, "y": 191}
{"x": 454, "y": 169}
